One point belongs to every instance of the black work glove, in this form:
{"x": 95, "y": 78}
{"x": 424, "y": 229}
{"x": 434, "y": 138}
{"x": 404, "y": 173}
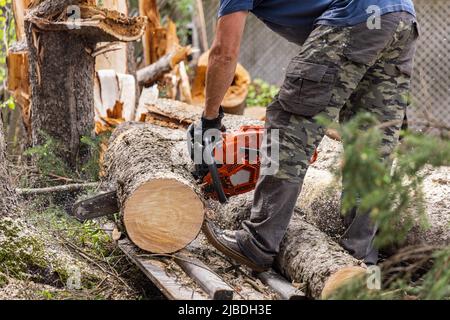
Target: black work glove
{"x": 196, "y": 140}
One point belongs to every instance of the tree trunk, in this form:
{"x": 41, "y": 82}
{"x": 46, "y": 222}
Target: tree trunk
{"x": 159, "y": 199}
{"x": 62, "y": 65}
{"x": 8, "y": 204}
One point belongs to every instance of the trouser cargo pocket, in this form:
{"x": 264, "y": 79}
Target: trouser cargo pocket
{"x": 307, "y": 89}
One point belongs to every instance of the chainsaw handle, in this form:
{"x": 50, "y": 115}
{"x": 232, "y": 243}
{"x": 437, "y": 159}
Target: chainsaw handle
{"x": 212, "y": 167}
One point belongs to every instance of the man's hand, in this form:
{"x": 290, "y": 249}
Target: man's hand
{"x": 223, "y": 59}
{"x": 196, "y": 132}
{"x": 207, "y": 128}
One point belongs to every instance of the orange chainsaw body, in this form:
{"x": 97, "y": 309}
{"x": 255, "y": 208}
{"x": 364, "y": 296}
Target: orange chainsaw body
{"x": 238, "y": 161}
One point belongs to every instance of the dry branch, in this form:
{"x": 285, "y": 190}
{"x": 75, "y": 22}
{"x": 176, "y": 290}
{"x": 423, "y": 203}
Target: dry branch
{"x": 63, "y": 188}
{"x": 150, "y": 74}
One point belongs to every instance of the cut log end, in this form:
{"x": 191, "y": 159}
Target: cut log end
{"x": 163, "y": 216}
{"x": 341, "y": 278}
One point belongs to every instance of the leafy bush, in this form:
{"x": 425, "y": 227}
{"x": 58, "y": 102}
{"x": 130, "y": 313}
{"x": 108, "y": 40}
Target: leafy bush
{"x": 261, "y": 93}
{"x": 392, "y": 194}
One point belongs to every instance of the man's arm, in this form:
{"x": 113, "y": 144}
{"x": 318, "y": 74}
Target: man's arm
{"x": 223, "y": 60}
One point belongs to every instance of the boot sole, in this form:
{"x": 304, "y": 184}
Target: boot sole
{"x": 212, "y": 238}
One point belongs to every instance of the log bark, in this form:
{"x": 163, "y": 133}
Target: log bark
{"x": 144, "y": 159}
{"x": 62, "y": 68}
{"x": 160, "y": 204}
{"x": 8, "y": 201}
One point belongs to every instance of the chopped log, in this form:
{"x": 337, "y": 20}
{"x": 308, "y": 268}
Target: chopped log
{"x": 284, "y": 289}
{"x": 160, "y": 204}
{"x": 150, "y": 74}
{"x": 209, "y": 281}
{"x": 62, "y": 93}
{"x": 151, "y": 170}
{"x": 307, "y": 255}
{"x": 169, "y": 284}
{"x": 320, "y": 199}
{"x": 234, "y": 101}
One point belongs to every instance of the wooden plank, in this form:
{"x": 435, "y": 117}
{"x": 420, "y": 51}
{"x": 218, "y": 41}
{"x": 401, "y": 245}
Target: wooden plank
{"x": 154, "y": 269}
{"x": 284, "y": 289}
{"x": 209, "y": 281}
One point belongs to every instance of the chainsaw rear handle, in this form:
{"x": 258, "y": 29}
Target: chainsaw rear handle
{"x": 212, "y": 167}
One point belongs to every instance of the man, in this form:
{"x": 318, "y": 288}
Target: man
{"x": 355, "y": 55}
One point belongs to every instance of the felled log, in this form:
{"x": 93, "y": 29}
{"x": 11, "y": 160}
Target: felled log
{"x": 150, "y": 74}
{"x": 161, "y": 210}
{"x": 61, "y": 42}
{"x": 162, "y": 206}
{"x": 234, "y": 101}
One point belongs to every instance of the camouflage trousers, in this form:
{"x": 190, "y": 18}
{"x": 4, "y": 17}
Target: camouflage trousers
{"x": 339, "y": 72}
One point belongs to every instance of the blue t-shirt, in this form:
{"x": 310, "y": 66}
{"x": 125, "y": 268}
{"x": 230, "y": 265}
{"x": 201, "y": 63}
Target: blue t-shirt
{"x": 295, "y": 19}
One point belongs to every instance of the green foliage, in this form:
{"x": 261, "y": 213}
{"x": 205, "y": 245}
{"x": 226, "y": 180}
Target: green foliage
{"x": 48, "y": 157}
{"x": 87, "y": 235}
{"x": 91, "y": 168}
{"x": 391, "y": 190}
{"x": 436, "y": 283}
{"x": 392, "y": 196}
{"x": 261, "y": 93}
{"x": 19, "y": 251}
{"x": 10, "y": 103}
{"x": 180, "y": 11}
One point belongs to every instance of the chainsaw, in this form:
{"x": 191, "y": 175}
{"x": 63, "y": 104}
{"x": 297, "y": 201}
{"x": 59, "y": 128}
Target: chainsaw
{"x": 231, "y": 165}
